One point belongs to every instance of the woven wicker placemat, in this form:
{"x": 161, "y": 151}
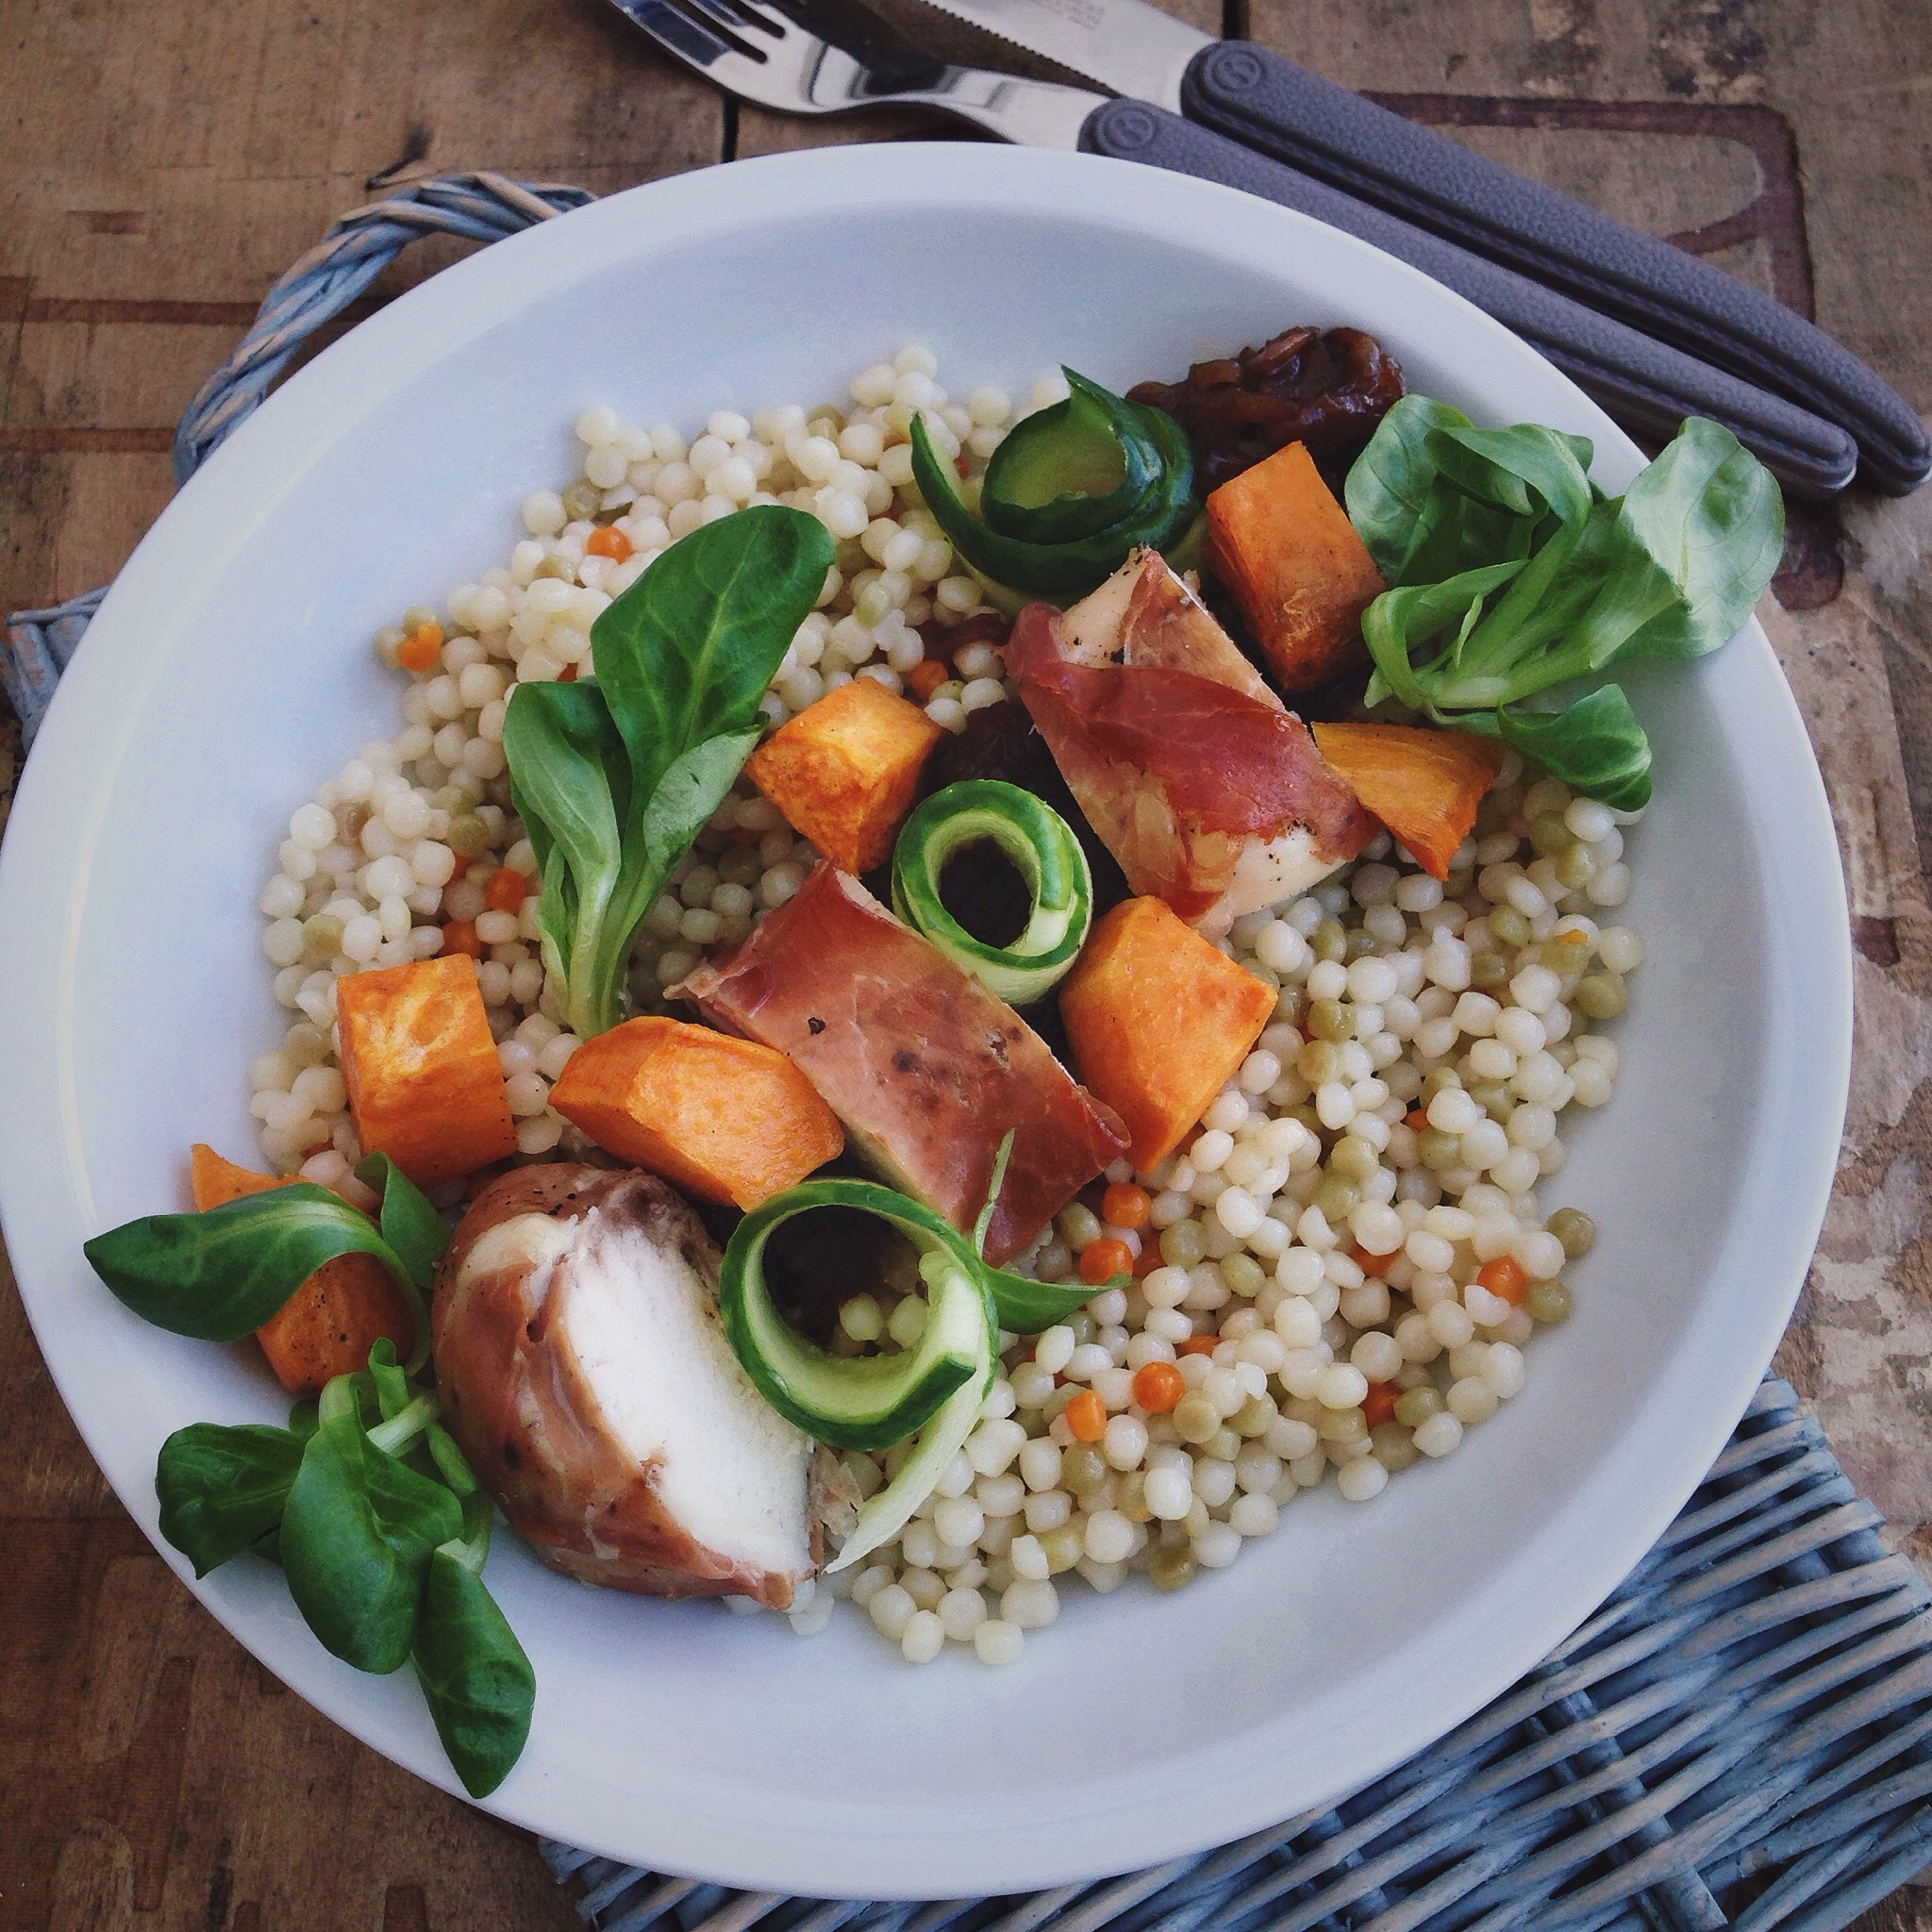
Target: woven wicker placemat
{"x": 1741, "y": 1735}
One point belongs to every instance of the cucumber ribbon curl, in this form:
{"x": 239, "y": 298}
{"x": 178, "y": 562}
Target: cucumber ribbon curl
{"x": 932, "y": 1391}
{"x": 1069, "y": 492}
{"x": 858, "y": 1402}
{"x": 1042, "y": 849}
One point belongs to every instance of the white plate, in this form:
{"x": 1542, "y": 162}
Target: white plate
{"x": 229, "y": 673}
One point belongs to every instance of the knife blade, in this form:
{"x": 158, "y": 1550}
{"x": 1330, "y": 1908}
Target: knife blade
{"x": 1133, "y": 48}
{"x": 1270, "y": 106}
{"x": 1127, "y": 46}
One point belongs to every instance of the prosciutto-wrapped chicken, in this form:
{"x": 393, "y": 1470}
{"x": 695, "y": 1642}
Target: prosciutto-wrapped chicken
{"x": 1206, "y": 788}
{"x": 927, "y": 1067}
{"x": 586, "y": 1375}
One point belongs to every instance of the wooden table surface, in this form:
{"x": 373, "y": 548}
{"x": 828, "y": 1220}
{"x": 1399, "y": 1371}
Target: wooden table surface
{"x": 162, "y": 163}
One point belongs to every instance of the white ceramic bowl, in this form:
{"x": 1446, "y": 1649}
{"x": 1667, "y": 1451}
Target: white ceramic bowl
{"x": 230, "y": 671}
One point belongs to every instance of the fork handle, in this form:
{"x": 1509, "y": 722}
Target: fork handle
{"x": 1645, "y": 383}
{"x": 1265, "y": 101}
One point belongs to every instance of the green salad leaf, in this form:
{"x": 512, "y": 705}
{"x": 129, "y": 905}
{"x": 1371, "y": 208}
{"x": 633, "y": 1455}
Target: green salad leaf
{"x": 1021, "y": 1305}
{"x": 475, "y": 1677}
{"x": 221, "y": 1489}
{"x": 416, "y": 1233}
{"x": 220, "y": 1275}
{"x": 452, "y": 1465}
{"x": 1390, "y": 486}
{"x": 1701, "y": 531}
{"x": 1026, "y": 1305}
{"x": 1511, "y": 576}
{"x": 382, "y": 1385}
{"x": 571, "y": 784}
{"x": 1595, "y": 745}
{"x": 356, "y": 1534}
{"x": 1433, "y": 496}
{"x": 614, "y": 776}
{"x": 1401, "y": 618}
{"x": 381, "y": 1530}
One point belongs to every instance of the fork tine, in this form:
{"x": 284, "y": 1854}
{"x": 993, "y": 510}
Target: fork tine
{"x": 744, "y": 13}
{"x": 748, "y": 32}
{"x": 677, "y": 32}
{"x": 727, "y": 19}
{"x": 774, "y": 19}
{"x": 855, "y": 29}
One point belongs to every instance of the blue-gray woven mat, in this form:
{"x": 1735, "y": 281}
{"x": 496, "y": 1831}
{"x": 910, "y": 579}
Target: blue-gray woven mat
{"x": 1740, "y": 1737}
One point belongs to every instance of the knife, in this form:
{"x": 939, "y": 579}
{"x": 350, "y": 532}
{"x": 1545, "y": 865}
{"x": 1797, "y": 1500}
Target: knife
{"x": 1266, "y": 103}
{"x": 1645, "y": 383}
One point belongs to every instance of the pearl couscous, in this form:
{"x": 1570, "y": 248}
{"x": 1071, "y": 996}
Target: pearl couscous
{"x": 1338, "y": 1273}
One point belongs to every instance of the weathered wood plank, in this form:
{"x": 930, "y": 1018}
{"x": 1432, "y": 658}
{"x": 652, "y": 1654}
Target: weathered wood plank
{"x": 235, "y": 136}
{"x": 152, "y": 1775}
{"x": 45, "y": 1471}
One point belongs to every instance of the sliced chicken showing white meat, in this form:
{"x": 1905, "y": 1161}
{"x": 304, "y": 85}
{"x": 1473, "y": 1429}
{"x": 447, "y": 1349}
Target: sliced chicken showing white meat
{"x": 586, "y": 1375}
{"x": 1147, "y": 617}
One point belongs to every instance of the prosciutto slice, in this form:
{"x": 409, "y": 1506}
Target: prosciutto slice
{"x": 928, "y": 1068}
{"x": 1203, "y": 785}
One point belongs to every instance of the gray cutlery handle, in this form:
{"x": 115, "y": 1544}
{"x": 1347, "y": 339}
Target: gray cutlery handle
{"x": 1641, "y": 382}
{"x": 1265, "y": 101}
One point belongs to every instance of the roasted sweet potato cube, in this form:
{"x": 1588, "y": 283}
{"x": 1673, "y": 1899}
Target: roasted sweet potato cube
{"x": 845, "y": 771}
{"x": 1424, "y": 785}
{"x": 424, "y": 1083}
{"x": 328, "y": 1326}
{"x": 216, "y": 1182}
{"x": 1293, "y": 564}
{"x": 1158, "y": 1019}
{"x": 724, "y": 1118}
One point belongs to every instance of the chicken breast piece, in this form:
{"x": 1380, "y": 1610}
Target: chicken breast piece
{"x": 586, "y": 1375}
{"x": 1206, "y": 788}
{"x": 1144, "y": 616}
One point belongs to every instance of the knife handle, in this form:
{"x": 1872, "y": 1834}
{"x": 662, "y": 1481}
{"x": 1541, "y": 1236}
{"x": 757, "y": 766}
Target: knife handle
{"x": 1642, "y": 383}
{"x": 1260, "y": 99}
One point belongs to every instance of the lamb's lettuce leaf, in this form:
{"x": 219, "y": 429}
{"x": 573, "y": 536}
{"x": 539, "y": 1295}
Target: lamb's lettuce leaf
{"x": 475, "y": 1676}
{"x": 381, "y": 1530}
{"x": 220, "y": 1275}
{"x": 614, "y": 776}
{"x": 1511, "y": 575}
{"x": 1595, "y": 745}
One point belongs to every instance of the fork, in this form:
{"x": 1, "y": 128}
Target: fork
{"x": 758, "y": 53}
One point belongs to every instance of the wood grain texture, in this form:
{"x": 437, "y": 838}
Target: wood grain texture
{"x": 188, "y": 155}
{"x": 163, "y": 164}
